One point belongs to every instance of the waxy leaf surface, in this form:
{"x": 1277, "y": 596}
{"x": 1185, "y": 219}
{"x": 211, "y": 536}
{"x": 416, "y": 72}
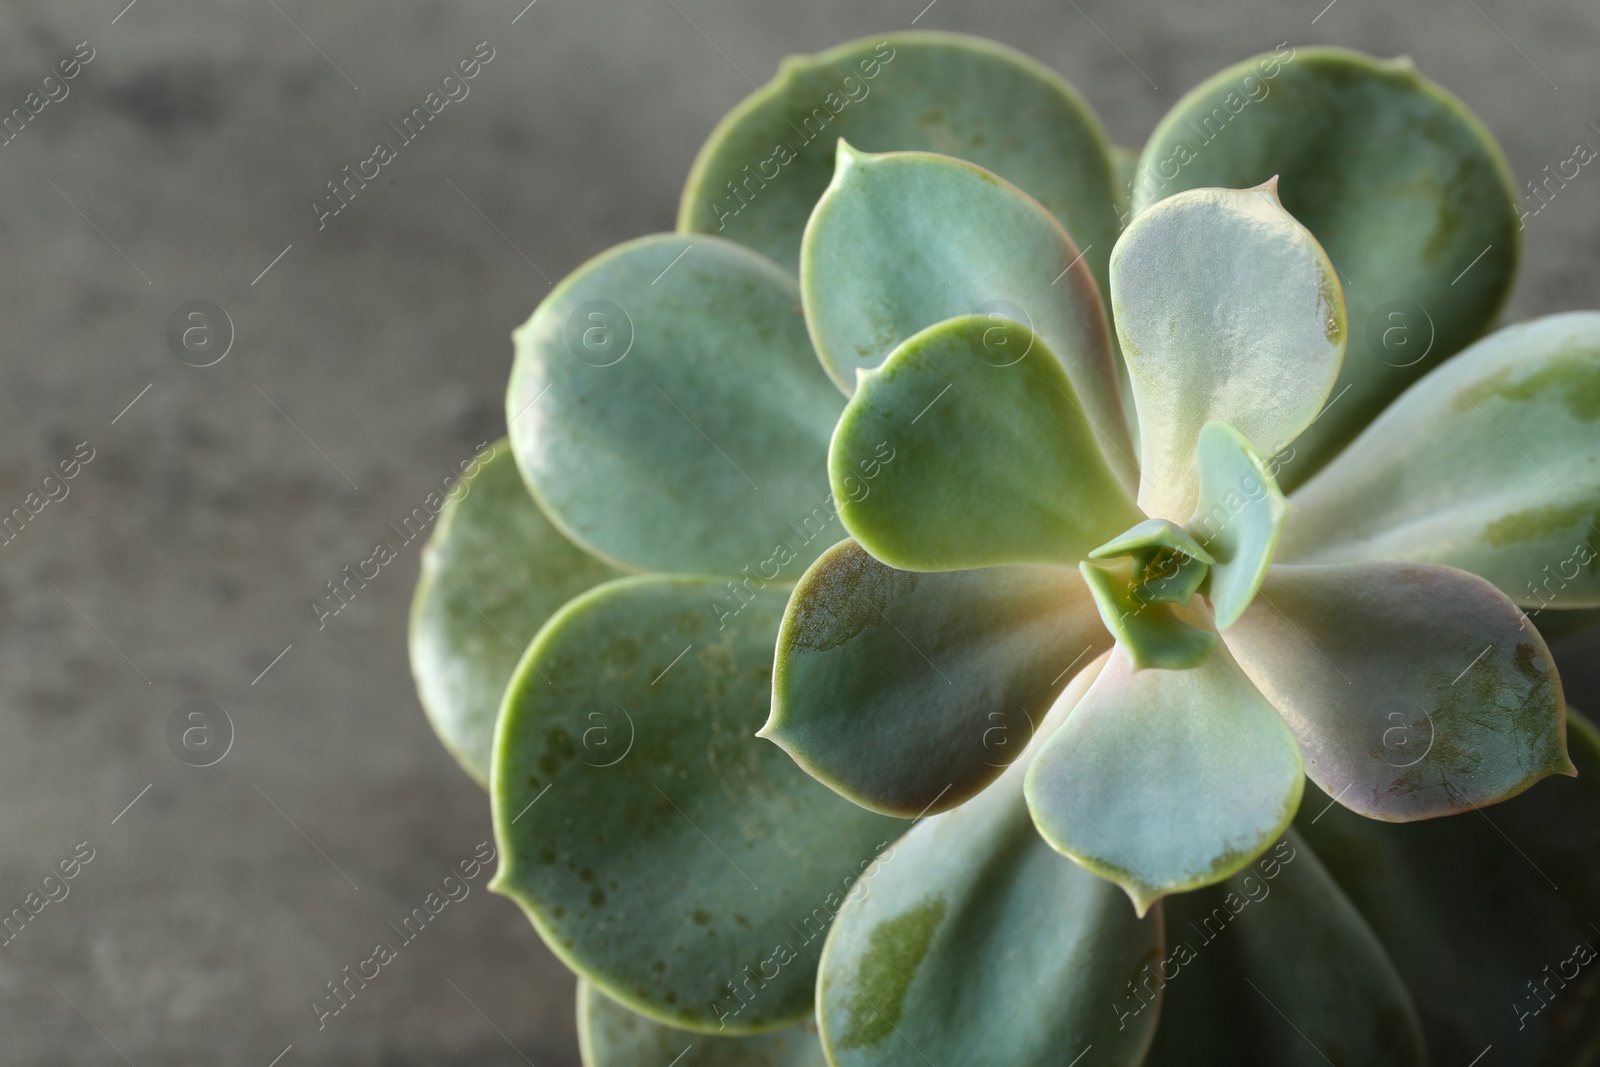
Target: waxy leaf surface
{"x": 934, "y": 92}
{"x": 904, "y": 240}
{"x": 910, "y": 692}
{"x": 1275, "y": 966}
{"x": 1152, "y": 631}
{"x": 683, "y": 867}
{"x": 1227, "y": 309}
{"x": 991, "y": 462}
{"x": 971, "y": 941}
{"x": 610, "y": 1035}
{"x": 1489, "y": 916}
{"x": 1415, "y": 690}
{"x": 1153, "y": 534}
{"x": 1403, "y": 186}
{"x": 1239, "y": 517}
{"x": 493, "y": 572}
{"x": 1166, "y": 780}
{"x": 666, "y": 408}
{"x": 1491, "y": 463}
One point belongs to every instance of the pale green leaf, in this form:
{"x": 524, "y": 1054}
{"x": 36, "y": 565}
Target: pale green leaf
{"x": 1151, "y": 628}
{"x": 1163, "y": 780}
{"x": 610, "y": 1035}
{"x": 1415, "y": 690}
{"x": 1489, "y": 916}
{"x": 1238, "y": 517}
{"x": 492, "y": 573}
{"x": 683, "y": 866}
{"x": 904, "y": 240}
{"x": 972, "y": 942}
{"x": 1153, "y": 534}
{"x": 1227, "y": 309}
{"x": 1491, "y": 463}
{"x": 910, "y": 692}
{"x": 982, "y": 462}
{"x": 1403, "y": 186}
{"x": 910, "y": 91}
{"x": 667, "y": 410}
{"x": 1274, "y": 966}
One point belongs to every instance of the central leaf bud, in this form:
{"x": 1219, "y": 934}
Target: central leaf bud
{"x": 1143, "y": 590}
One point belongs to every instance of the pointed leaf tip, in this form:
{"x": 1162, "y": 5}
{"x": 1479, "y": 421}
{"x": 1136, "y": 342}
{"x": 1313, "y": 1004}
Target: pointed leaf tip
{"x": 950, "y": 434}
{"x": 1415, "y": 690}
{"x": 855, "y": 702}
{"x": 1209, "y": 778}
{"x": 1400, "y": 184}
{"x": 1228, "y": 310}
{"x": 909, "y": 240}
{"x": 994, "y": 105}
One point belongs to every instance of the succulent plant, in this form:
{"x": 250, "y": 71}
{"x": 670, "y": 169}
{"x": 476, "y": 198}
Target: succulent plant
{"x": 948, "y": 449}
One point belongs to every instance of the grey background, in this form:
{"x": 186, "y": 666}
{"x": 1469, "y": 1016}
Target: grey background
{"x": 196, "y": 140}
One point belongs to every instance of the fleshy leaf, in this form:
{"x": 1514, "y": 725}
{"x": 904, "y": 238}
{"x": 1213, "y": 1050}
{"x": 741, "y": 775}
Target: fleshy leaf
{"x": 909, "y": 692}
{"x": 936, "y": 92}
{"x": 990, "y": 463}
{"x": 1151, "y": 630}
{"x": 1491, "y": 463}
{"x": 492, "y": 573}
{"x": 610, "y": 1035}
{"x": 904, "y": 240}
{"x": 1153, "y": 533}
{"x": 1275, "y": 966}
{"x": 1227, "y": 310}
{"x": 1169, "y": 565}
{"x": 1488, "y": 916}
{"x": 1415, "y": 690}
{"x": 1171, "y": 578}
{"x": 667, "y": 410}
{"x": 1239, "y": 517}
{"x": 1403, "y": 186}
{"x": 1164, "y": 781}
{"x": 673, "y": 850}
{"x": 971, "y": 942}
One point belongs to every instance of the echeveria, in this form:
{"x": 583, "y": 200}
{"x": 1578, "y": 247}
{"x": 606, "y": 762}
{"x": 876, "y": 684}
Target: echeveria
{"x": 1185, "y": 760}
{"x": 1075, "y": 609}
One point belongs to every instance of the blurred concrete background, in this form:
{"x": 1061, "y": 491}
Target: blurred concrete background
{"x": 182, "y": 162}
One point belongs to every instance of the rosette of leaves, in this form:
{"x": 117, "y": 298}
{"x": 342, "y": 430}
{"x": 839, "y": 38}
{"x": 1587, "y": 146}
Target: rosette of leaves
{"x": 611, "y": 612}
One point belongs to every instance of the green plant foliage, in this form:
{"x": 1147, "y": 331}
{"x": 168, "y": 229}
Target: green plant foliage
{"x": 973, "y": 942}
{"x": 992, "y": 650}
{"x": 1233, "y": 330}
{"x": 493, "y": 572}
{"x": 610, "y": 1035}
{"x": 1213, "y": 778}
{"x": 935, "y": 92}
{"x": 1398, "y": 181}
{"x": 1073, "y": 632}
{"x": 1153, "y": 631}
{"x": 1490, "y": 463}
{"x": 1239, "y": 516}
{"x": 691, "y": 874}
{"x": 1274, "y": 966}
{"x": 904, "y": 240}
{"x": 714, "y": 406}
{"x": 1489, "y": 918}
{"x": 1430, "y": 666}
{"x": 1153, "y": 534}
{"x": 1227, "y": 310}
{"x": 994, "y": 463}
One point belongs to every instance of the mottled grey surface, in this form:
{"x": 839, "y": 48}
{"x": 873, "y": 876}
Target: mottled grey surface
{"x": 190, "y": 546}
